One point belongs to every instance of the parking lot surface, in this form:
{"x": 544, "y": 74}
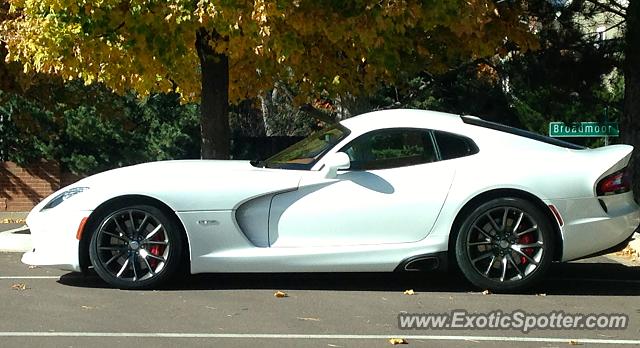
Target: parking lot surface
{"x": 42, "y": 307}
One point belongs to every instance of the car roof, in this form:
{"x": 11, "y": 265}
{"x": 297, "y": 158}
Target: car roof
{"x": 403, "y": 118}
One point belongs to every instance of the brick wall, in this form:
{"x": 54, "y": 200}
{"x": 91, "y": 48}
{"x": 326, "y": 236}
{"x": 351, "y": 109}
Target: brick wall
{"x": 21, "y": 188}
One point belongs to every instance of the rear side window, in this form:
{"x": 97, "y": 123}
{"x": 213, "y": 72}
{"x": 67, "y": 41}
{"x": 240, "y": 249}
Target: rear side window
{"x": 454, "y": 146}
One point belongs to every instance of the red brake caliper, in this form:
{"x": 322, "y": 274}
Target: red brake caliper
{"x": 156, "y": 249}
{"x": 526, "y": 239}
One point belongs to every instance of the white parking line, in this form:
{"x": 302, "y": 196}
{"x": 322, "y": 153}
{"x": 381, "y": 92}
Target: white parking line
{"x": 597, "y": 280}
{"x": 330, "y": 337}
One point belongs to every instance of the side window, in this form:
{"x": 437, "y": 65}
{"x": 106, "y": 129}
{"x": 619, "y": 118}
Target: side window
{"x": 454, "y": 146}
{"x": 390, "y": 148}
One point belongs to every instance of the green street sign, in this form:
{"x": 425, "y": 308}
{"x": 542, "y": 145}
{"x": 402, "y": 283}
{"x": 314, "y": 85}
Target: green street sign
{"x": 583, "y": 129}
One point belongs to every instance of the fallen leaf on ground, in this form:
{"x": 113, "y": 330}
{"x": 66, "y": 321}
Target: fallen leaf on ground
{"x": 12, "y": 221}
{"x": 19, "y": 286}
{"x": 308, "y": 319}
{"x": 574, "y": 343}
{"x": 486, "y": 292}
{"x": 395, "y": 341}
{"x": 280, "y": 294}
{"x": 409, "y": 292}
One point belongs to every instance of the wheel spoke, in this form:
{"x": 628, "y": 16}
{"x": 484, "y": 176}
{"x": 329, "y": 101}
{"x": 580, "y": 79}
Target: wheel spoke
{"x": 493, "y": 223}
{"x": 133, "y": 265}
{"x": 123, "y": 268}
{"x": 517, "y": 224}
{"x": 529, "y": 230}
{"x": 133, "y": 224}
{"x": 504, "y": 220}
{"x": 115, "y": 257}
{"x": 118, "y": 226}
{"x": 529, "y": 258}
{"x": 515, "y": 266}
{"x": 482, "y": 257}
{"x": 122, "y": 238}
{"x": 151, "y": 271}
{"x": 484, "y": 242}
{"x": 504, "y": 268}
{"x": 532, "y": 245}
{"x": 152, "y": 233}
{"x": 493, "y": 259}
{"x": 142, "y": 224}
{"x": 483, "y": 232}
{"x": 113, "y": 248}
{"x": 159, "y": 258}
{"x": 154, "y": 242}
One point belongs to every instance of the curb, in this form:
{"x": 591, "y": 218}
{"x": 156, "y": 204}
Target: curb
{"x": 13, "y": 215}
{"x": 15, "y": 240}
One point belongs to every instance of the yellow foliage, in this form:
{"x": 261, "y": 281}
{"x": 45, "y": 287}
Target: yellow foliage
{"x": 318, "y": 46}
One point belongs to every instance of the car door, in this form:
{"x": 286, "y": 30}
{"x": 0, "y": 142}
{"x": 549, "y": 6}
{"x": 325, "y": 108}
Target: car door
{"x": 392, "y": 193}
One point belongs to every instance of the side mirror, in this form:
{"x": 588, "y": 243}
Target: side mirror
{"x": 335, "y": 162}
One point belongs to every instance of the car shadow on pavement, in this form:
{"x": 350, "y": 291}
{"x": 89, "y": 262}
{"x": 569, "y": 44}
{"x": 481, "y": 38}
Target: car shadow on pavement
{"x": 606, "y": 279}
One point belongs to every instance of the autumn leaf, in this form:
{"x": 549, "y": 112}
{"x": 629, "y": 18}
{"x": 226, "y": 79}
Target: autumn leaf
{"x": 396, "y": 341}
{"x": 20, "y": 286}
{"x": 308, "y": 319}
{"x": 280, "y": 294}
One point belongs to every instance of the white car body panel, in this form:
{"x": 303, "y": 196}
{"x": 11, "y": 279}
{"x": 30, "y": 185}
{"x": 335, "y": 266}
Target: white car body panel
{"x": 239, "y": 218}
{"x": 353, "y": 208}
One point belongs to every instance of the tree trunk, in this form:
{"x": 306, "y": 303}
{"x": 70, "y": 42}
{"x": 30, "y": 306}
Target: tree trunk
{"x": 630, "y": 123}
{"x": 214, "y": 106}
{"x": 266, "y": 103}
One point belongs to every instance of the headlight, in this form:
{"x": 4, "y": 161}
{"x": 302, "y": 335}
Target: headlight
{"x": 63, "y": 197}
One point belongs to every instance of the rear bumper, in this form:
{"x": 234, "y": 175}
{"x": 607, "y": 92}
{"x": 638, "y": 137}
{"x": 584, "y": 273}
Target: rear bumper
{"x": 589, "y": 229}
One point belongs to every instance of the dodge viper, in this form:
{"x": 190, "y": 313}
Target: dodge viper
{"x": 394, "y": 190}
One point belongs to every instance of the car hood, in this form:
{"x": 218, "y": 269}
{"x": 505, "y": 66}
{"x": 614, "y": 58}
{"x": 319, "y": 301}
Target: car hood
{"x": 188, "y": 185}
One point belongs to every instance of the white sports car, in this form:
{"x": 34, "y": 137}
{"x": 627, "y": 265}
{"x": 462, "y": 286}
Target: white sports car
{"x": 397, "y": 190}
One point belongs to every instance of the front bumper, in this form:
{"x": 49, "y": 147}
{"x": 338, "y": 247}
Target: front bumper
{"x": 589, "y": 229}
{"x": 53, "y": 235}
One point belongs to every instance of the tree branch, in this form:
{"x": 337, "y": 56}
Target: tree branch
{"x": 317, "y": 114}
{"x": 609, "y": 8}
{"x": 111, "y": 32}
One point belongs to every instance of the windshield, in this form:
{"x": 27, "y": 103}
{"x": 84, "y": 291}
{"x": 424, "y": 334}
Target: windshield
{"x": 304, "y": 154}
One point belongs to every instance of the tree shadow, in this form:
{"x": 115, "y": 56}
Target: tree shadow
{"x": 578, "y": 279}
{"x": 12, "y": 185}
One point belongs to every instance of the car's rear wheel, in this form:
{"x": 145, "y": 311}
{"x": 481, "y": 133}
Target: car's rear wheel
{"x": 136, "y": 247}
{"x": 505, "y": 244}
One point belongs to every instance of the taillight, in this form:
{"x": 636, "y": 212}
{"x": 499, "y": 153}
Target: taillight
{"x": 618, "y": 182}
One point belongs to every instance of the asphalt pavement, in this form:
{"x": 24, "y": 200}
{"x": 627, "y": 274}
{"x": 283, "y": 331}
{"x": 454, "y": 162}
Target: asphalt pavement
{"x": 42, "y": 307}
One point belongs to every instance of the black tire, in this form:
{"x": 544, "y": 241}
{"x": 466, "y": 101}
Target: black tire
{"x": 505, "y": 245}
{"x": 136, "y": 247}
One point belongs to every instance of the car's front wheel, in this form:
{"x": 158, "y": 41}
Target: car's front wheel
{"x": 136, "y": 247}
{"x": 505, "y": 244}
